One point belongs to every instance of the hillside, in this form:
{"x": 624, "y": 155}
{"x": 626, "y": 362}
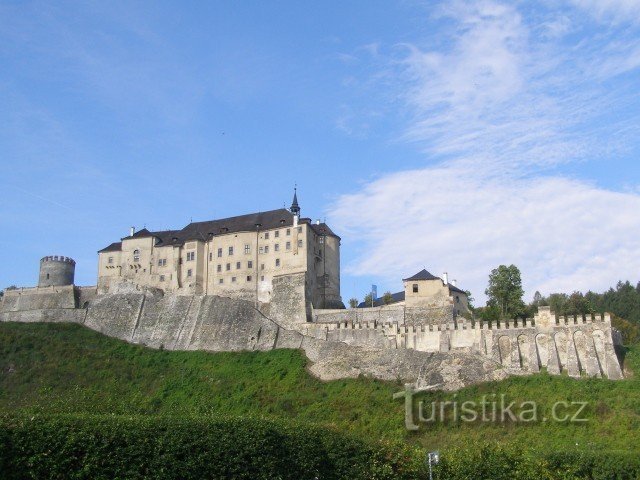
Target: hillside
{"x": 68, "y": 369}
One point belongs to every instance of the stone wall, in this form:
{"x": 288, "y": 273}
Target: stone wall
{"x": 39, "y": 298}
{"x": 476, "y": 351}
{"x": 399, "y": 314}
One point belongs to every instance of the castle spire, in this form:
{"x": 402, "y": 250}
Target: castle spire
{"x": 295, "y": 207}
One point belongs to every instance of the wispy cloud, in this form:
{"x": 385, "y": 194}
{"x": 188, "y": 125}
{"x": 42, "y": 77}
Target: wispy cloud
{"x": 497, "y": 102}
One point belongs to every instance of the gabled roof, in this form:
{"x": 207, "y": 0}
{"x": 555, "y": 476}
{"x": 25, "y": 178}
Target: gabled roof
{"x": 114, "y": 247}
{"x": 396, "y": 297}
{"x": 453, "y": 288}
{"x": 242, "y": 223}
{"x": 421, "y": 275}
{"x": 323, "y": 229}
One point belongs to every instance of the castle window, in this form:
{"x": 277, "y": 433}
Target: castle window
{"x": 288, "y": 231}
{"x": 230, "y": 250}
{"x": 162, "y": 278}
{"x": 266, "y": 249}
{"x": 238, "y": 265}
{"x": 210, "y": 256}
{"x": 457, "y": 299}
{"x": 219, "y": 269}
{"x": 277, "y": 262}
{"x": 136, "y": 255}
{"x": 261, "y": 250}
{"x": 233, "y": 279}
{"x": 299, "y": 229}
{"x": 415, "y": 288}
{"x": 249, "y": 264}
{"x": 266, "y": 235}
{"x": 276, "y": 234}
{"x": 276, "y": 247}
{"x": 262, "y": 278}
{"x": 219, "y": 253}
{"x": 262, "y": 266}
{"x": 288, "y": 246}
{"x": 247, "y": 248}
{"x": 110, "y": 260}
{"x": 162, "y": 262}
{"x": 221, "y": 281}
{"x": 248, "y": 278}
{"x": 228, "y": 267}
{"x": 321, "y": 239}
{"x": 300, "y": 244}
{"x": 191, "y": 256}
{"x": 189, "y": 273}
{"x": 47, "y": 276}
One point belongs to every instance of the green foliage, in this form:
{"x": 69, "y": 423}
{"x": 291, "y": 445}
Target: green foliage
{"x": 387, "y": 298}
{"x": 92, "y": 447}
{"x": 518, "y": 463}
{"x": 353, "y": 302}
{"x": 368, "y": 300}
{"x": 505, "y": 291}
{"x": 69, "y": 374}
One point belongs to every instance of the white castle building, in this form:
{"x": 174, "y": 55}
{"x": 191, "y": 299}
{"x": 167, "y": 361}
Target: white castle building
{"x": 237, "y": 257}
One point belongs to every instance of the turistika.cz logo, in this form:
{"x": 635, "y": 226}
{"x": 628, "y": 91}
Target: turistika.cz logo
{"x": 491, "y": 408}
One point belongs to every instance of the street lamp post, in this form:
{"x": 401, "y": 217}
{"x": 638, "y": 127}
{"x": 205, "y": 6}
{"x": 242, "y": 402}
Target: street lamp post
{"x": 432, "y": 459}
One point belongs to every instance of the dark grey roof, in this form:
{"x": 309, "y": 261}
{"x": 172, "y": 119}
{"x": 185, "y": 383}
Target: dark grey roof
{"x": 322, "y": 229}
{"x": 295, "y": 206}
{"x": 421, "y": 275}
{"x": 242, "y": 223}
{"x": 114, "y": 247}
{"x": 396, "y": 297}
{"x": 456, "y": 289}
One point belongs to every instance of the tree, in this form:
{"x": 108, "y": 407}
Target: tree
{"x": 537, "y": 299}
{"x": 505, "y": 291}
{"x": 353, "y": 302}
{"x": 470, "y": 300}
{"x": 387, "y": 298}
{"x": 367, "y": 300}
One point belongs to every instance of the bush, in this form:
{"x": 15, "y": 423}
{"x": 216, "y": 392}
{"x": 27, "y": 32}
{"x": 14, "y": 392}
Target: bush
{"x": 87, "y": 447}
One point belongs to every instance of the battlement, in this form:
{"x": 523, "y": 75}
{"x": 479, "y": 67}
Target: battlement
{"x": 462, "y": 324}
{"x": 58, "y": 258}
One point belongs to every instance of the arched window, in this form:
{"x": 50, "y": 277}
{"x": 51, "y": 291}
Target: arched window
{"x": 136, "y": 255}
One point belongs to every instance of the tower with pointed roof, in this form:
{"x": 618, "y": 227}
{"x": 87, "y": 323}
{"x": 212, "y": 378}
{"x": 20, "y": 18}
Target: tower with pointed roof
{"x": 295, "y": 206}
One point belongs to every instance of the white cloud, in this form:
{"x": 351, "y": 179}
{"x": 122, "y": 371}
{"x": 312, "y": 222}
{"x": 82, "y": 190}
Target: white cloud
{"x": 611, "y": 10}
{"x": 564, "y": 234}
{"x": 498, "y": 106}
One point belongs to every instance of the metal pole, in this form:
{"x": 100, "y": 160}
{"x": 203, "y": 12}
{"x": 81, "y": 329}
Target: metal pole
{"x": 430, "y": 472}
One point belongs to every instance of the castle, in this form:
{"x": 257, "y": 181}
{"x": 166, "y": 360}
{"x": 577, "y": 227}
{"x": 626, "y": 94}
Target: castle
{"x": 272, "y": 280}
{"x": 239, "y": 257}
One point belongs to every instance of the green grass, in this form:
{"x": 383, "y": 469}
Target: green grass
{"x": 68, "y": 369}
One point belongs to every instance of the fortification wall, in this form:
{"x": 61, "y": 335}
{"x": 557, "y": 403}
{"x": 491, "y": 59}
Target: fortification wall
{"x": 38, "y": 298}
{"x": 578, "y": 346}
{"x": 399, "y": 314}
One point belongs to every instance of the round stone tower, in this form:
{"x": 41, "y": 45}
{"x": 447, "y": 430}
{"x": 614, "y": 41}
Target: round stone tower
{"x": 56, "y": 271}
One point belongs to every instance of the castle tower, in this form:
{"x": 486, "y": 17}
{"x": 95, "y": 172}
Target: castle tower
{"x": 56, "y": 271}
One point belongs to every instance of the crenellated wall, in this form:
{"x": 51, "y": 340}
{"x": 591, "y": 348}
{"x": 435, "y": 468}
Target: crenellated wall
{"x": 577, "y": 345}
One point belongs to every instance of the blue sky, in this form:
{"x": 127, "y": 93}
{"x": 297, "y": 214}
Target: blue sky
{"x": 454, "y": 136}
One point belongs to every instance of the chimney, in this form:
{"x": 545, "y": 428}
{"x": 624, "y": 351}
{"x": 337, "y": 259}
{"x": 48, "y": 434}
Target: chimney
{"x": 318, "y": 222}
{"x": 132, "y": 230}
{"x": 454, "y": 283}
{"x": 445, "y": 278}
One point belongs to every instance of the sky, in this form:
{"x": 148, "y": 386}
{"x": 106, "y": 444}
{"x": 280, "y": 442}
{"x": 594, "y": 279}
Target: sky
{"x": 454, "y": 136}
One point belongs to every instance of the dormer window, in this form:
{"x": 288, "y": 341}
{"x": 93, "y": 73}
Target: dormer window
{"x": 136, "y": 255}
{"x": 415, "y": 288}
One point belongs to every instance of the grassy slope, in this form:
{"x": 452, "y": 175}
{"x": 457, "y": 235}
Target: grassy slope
{"x": 58, "y": 368}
